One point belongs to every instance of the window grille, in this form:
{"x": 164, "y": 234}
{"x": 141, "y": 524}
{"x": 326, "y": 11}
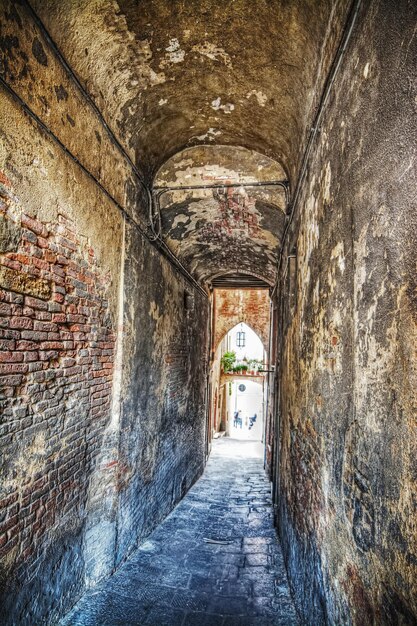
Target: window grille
{"x": 240, "y": 339}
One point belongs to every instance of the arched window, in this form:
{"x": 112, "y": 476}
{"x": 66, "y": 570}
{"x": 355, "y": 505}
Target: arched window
{"x": 240, "y": 339}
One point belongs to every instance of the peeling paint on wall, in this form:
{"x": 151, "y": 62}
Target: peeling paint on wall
{"x": 348, "y": 433}
{"x": 217, "y": 230}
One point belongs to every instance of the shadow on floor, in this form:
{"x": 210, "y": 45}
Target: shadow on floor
{"x": 215, "y": 560}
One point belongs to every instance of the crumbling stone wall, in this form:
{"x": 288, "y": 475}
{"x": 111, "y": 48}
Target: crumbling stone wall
{"x": 347, "y": 472}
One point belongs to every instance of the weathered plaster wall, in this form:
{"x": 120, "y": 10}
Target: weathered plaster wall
{"x": 348, "y": 377}
{"x": 232, "y": 306}
{"x": 30, "y": 66}
{"x": 163, "y": 391}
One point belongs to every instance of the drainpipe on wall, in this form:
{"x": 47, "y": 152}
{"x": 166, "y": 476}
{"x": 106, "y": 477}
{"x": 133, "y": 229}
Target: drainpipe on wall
{"x": 210, "y": 355}
{"x": 267, "y": 421}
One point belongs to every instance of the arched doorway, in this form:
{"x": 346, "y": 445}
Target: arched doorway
{"x": 238, "y": 374}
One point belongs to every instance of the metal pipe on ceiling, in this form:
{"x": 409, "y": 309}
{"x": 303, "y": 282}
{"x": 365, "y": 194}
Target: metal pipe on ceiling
{"x": 267, "y": 183}
{"x": 158, "y": 192}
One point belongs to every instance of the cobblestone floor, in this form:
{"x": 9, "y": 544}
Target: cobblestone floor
{"x": 178, "y": 578}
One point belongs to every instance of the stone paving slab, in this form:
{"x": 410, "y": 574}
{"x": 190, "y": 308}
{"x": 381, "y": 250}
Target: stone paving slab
{"x": 176, "y": 578}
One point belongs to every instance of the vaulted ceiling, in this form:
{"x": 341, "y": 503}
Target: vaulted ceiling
{"x": 169, "y": 76}
{"x": 223, "y": 210}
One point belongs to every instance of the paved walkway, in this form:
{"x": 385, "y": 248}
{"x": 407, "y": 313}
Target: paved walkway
{"x": 179, "y": 578}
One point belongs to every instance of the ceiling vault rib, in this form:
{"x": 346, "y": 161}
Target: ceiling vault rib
{"x": 337, "y": 60}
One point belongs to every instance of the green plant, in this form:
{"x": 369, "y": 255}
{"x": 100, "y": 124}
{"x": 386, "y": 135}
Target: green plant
{"x": 256, "y": 365}
{"x": 244, "y": 368}
{"x": 227, "y": 361}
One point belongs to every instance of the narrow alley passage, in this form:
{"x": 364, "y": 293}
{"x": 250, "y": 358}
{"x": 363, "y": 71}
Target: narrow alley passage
{"x": 178, "y": 577}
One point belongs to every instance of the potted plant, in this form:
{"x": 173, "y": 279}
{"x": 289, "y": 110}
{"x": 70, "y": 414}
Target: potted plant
{"x": 258, "y": 365}
{"x": 228, "y": 361}
{"x": 244, "y": 368}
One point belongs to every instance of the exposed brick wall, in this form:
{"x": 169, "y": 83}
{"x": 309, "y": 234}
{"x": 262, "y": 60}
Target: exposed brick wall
{"x": 56, "y": 365}
{"x": 232, "y": 306}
